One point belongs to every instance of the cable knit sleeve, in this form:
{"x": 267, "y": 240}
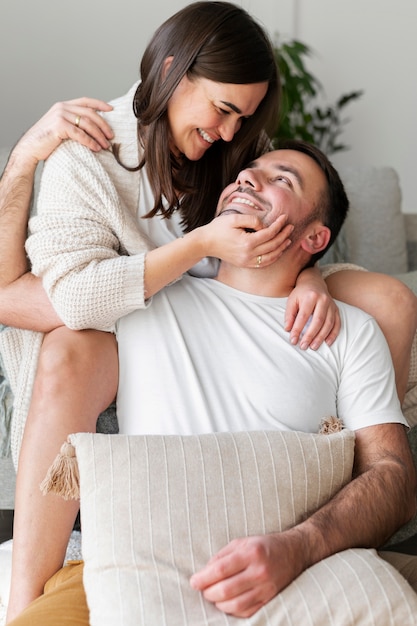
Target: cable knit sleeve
{"x": 85, "y": 242}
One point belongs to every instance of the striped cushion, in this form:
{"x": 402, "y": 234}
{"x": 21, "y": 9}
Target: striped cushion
{"x": 154, "y": 509}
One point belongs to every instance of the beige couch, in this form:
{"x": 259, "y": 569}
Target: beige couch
{"x": 377, "y": 235}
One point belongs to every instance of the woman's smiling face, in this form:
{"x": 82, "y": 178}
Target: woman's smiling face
{"x": 202, "y": 111}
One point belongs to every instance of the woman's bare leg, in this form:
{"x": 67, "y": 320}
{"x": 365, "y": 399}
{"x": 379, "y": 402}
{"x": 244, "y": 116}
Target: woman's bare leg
{"x": 391, "y": 303}
{"x": 77, "y": 378}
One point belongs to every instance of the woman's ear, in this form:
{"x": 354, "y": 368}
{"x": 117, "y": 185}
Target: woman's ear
{"x": 165, "y": 66}
{"x": 317, "y": 239}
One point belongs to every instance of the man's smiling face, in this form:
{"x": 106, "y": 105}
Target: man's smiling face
{"x": 282, "y": 181}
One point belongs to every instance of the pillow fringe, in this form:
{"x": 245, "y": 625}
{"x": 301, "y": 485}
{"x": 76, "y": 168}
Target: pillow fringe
{"x": 63, "y": 477}
{"x": 331, "y": 424}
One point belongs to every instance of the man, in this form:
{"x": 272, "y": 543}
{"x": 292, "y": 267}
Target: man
{"x": 212, "y": 354}
{"x": 224, "y": 340}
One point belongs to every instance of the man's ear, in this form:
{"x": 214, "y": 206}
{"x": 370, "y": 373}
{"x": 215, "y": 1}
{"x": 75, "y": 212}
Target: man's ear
{"x": 165, "y": 66}
{"x": 316, "y": 239}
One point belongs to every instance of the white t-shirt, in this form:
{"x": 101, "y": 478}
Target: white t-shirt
{"x": 161, "y": 231}
{"x": 208, "y": 358}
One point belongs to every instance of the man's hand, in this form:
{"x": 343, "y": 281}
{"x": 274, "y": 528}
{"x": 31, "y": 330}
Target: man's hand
{"x": 249, "y": 572}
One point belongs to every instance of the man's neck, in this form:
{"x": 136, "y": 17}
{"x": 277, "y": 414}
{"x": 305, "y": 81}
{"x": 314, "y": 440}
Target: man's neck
{"x": 272, "y": 282}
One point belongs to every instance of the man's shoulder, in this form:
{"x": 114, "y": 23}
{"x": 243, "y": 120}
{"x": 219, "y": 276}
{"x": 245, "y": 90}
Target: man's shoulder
{"x": 353, "y": 313}
{"x": 355, "y": 321}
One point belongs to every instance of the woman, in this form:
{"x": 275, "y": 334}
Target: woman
{"x": 199, "y": 117}
{"x": 208, "y": 74}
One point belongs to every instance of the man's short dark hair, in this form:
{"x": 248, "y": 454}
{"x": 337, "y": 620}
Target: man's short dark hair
{"x": 334, "y": 204}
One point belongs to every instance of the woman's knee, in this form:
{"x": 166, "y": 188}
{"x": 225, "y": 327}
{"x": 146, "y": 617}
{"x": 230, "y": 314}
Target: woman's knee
{"x": 397, "y": 308}
{"x": 407, "y": 300}
{"x": 69, "y": 356}
{"x": 384, "y": 297}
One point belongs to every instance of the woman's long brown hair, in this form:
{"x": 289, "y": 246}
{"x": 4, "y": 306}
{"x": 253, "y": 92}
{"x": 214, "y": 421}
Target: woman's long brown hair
{"x": 221, "y": 42}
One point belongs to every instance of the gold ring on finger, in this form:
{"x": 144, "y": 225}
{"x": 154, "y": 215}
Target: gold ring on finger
{"x": 77, "y": 120}
{"x": 258, "y": 260}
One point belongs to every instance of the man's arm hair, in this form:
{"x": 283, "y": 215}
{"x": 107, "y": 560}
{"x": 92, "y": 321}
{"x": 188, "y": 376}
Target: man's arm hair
{"x": 16, "y": 185}
{"x": 23, "y": 301}
{"x": 364, "y": 513}
{"x": 380, "y": 498}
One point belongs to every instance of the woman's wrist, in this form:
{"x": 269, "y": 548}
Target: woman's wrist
{"x": 168, "y": 262}
{"x": 197, "y": 245}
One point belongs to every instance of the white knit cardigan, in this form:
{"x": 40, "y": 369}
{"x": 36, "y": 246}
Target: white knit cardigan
{"x": 92, "y": 264}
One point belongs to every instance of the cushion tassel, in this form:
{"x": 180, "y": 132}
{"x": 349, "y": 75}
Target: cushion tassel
{"x": 329, "y": 425}
{"x": 63, "y": 478}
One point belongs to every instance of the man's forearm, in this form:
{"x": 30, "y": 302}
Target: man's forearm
{"x": 363, "y": 514}
{"x": 23, "y": 301}
{"x": 16, "y": 187}
{"x": 24, "y": 304}
{"x": 367, "y": 511}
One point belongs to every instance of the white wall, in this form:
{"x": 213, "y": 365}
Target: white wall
{"x": 53, "y": 50}
{"x": 370, "y": 45}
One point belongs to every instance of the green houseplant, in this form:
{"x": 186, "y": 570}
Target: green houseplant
{"x": 302, "y": 117}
